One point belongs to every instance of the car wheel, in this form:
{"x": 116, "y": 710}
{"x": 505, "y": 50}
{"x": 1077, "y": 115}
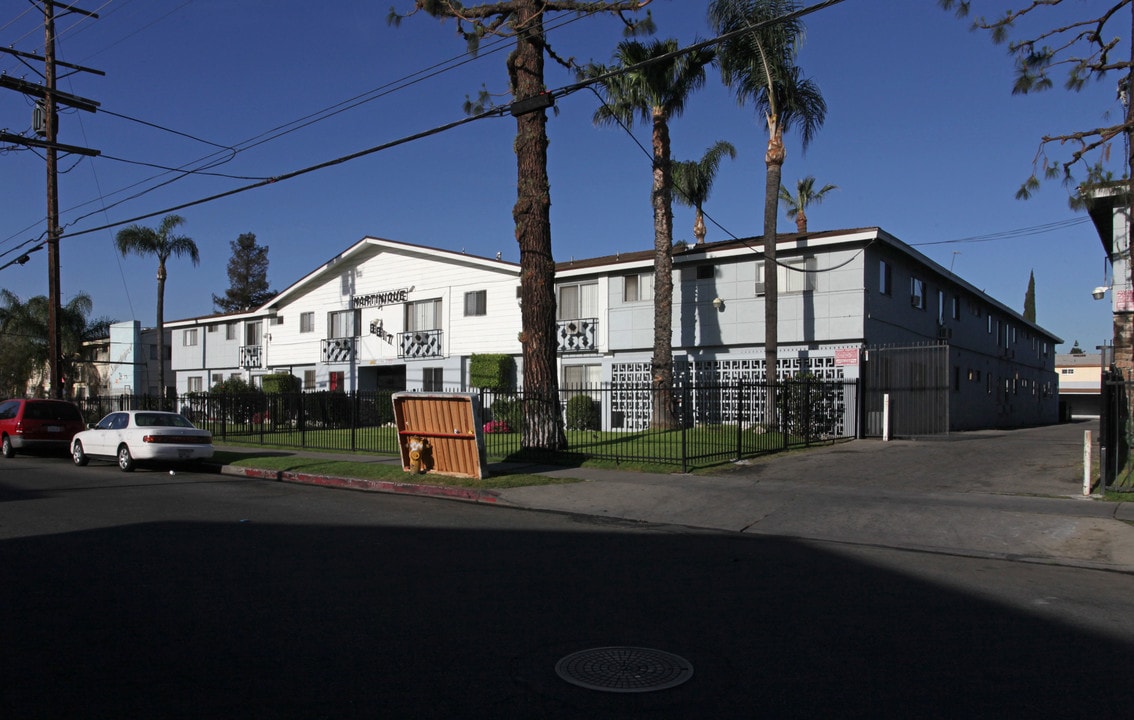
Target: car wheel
{"x": 9, "y": 451}
{"x": 125, "y": 459}
{"x": 77, "y": 455}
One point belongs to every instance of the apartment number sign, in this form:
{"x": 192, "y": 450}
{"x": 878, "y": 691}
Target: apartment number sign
{"x": 385, "y": 297}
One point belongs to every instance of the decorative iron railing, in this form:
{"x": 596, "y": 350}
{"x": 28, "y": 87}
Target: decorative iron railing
{"x": 338, "y": 350}
{"x": 251, "y": 356}
{"x": 420, "y": 344}
{"x": 578, "y": 335}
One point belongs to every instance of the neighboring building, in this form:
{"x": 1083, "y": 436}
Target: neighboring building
{"x": 124, "y": 363}
{"x": 1109, "y": 208}
{"x": 854, "y": 305}
{"x": 1080, "y": 384}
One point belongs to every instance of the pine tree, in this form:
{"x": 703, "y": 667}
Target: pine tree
{"x": 1030, "y": 299}
{"x": 247, "y": 276}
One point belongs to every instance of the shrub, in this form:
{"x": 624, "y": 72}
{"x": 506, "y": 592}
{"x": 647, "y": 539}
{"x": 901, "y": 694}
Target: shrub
{"x": 583, "y": 413}
{"x": 508, "y": 411}
{"x": 496, "y": 426}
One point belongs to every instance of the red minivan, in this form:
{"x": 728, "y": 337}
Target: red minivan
{"x": 34, "y": 424}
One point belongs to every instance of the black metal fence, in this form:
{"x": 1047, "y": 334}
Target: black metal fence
{"x": 701, "y": 425}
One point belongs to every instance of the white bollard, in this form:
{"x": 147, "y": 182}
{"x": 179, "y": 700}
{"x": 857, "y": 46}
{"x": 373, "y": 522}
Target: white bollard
{"x": 886, "y": 417}
{"x": 1087, "y": 462}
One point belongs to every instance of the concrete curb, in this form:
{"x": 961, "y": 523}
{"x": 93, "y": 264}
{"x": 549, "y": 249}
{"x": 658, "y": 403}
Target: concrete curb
{"x": 475, "y": 495}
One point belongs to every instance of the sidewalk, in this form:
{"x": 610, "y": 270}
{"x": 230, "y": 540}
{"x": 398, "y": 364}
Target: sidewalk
{"x": 1005, "y": 494}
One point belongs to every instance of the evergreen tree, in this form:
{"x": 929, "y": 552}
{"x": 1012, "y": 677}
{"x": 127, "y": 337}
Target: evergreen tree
{"x": 1030, "y": 299}
{"x": 247, "y": 276}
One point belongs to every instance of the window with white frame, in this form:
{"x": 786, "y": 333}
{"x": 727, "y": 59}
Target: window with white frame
{"x": 195, "y": 383}
{"x": 191, "y": 337}
{"x": 798, "y": 275}
{"x": 917, "y": 293}
{"x": 343, "y": 323}
{"x": 476, "y": 303}
{"x": 638, "y": 288}
{"x": 307, "y": 322}
{"x": 423, "y": 315}
{"x": 433, "y": 379}
{"x": 253, "y": 333}
{"x": 577, "y": 300}
{"x": 230, "y": 331}
{"x": 885, "y": 278}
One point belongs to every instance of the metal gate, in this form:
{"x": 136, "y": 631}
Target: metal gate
{"x": 916, "y": 379}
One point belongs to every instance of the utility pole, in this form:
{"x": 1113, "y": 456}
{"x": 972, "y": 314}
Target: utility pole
{"x": 51, "y": 98}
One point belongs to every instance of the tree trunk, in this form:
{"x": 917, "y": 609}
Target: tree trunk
{"x": 774, "y": 158}
{"x": 699, "y": 230}
{"x": 662, "y": 415}
{"x": 161, "y": 275}
{"x": 543, "y": 421}
{"x": 800, "y": 222}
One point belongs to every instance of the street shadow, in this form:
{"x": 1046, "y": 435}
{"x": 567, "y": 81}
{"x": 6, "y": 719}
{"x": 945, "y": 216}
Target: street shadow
{"x": 259, "y": 620}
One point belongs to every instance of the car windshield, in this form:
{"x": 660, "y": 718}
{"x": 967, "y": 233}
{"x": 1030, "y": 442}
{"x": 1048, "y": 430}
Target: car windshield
{"x": 161, "y": 420}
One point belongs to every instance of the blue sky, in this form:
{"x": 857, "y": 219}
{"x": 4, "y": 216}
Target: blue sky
{"x": 923, "y": 138}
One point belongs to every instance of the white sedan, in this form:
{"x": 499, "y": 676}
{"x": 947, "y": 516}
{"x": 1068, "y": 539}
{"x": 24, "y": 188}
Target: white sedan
{"x": 130, "y": 436}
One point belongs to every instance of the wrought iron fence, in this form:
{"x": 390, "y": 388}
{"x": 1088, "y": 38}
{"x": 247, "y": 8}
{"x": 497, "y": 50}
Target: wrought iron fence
{"x": 688, "y": 426}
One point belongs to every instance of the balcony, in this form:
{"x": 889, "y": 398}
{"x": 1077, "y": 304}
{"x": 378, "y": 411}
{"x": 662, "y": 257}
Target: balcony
{"x": 251, "y": 356}
{"x": 338, "y": 350}
{"x": 579, "y": 335}
{"x": 420, "y": 344}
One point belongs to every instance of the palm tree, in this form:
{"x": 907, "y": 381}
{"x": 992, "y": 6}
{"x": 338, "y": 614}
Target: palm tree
{"x": 805, "y": 194}
{"x": 161, "y": 243}
{"x": 693, "y": 181}
{"x": 760, "y": 66}
{"x": 24, "y": 327}
{"x": 653, "y": 87}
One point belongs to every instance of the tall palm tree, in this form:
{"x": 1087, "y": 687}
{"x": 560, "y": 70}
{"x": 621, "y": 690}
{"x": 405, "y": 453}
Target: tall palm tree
{"x": 654, "y": 88}
{"x": 759, "y": 65}
{"x": 161, "y": 243}
{"x": 693, "y": 181}
{"x": 805, "y": 195}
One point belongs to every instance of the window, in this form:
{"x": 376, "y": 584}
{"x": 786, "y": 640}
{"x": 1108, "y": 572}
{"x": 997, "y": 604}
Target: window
{"x": 476, "y": 303}
{"x": 343, "y": 324}
{"x": 577, "y": 301}
{"x": 433, "y": 379}
{"x": 195, "y": 384}
{"x": 336, "y": 381}
{"x": 216, "y": 379}
{"x": 253, "y": 333}
{"x": 706, "y": 272}
{"x": 1066, "y": 371}
{"x": 760, "y": 279}
{"x": 638, "y": 288}
{"x": 307, "y": 322}
{"x": 885, "y": 281}
{"x": 277, "y": 320}
{"x": 308, "y": 379}
{"x": 191, "y": 337}
{"x": 581, "y": 376}
{"x": 423, "y": 315}
{"x": 799, "y": 275}
{"x": 212, "y": 329}
{"x": 989, "y": 324}
{"x": 230, "y": 331}
{"x": 941, "y": 307}
{"x": 956, "y": 307}
{"x": 917, "y": 293}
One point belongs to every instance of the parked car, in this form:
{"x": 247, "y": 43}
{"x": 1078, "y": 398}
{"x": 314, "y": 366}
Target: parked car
{"x": 132, "y": 436}
{"x": 38, "y": 424}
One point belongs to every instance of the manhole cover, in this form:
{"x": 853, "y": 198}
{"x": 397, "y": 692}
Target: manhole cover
{"x": 624, "y": 669}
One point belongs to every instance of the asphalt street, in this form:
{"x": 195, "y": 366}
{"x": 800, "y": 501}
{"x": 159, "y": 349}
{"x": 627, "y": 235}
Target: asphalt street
{"x": 196, "y": 595}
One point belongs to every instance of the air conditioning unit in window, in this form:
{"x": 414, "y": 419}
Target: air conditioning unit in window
{"x": 759, "y": 289}
{"x": 944, "y": 333}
